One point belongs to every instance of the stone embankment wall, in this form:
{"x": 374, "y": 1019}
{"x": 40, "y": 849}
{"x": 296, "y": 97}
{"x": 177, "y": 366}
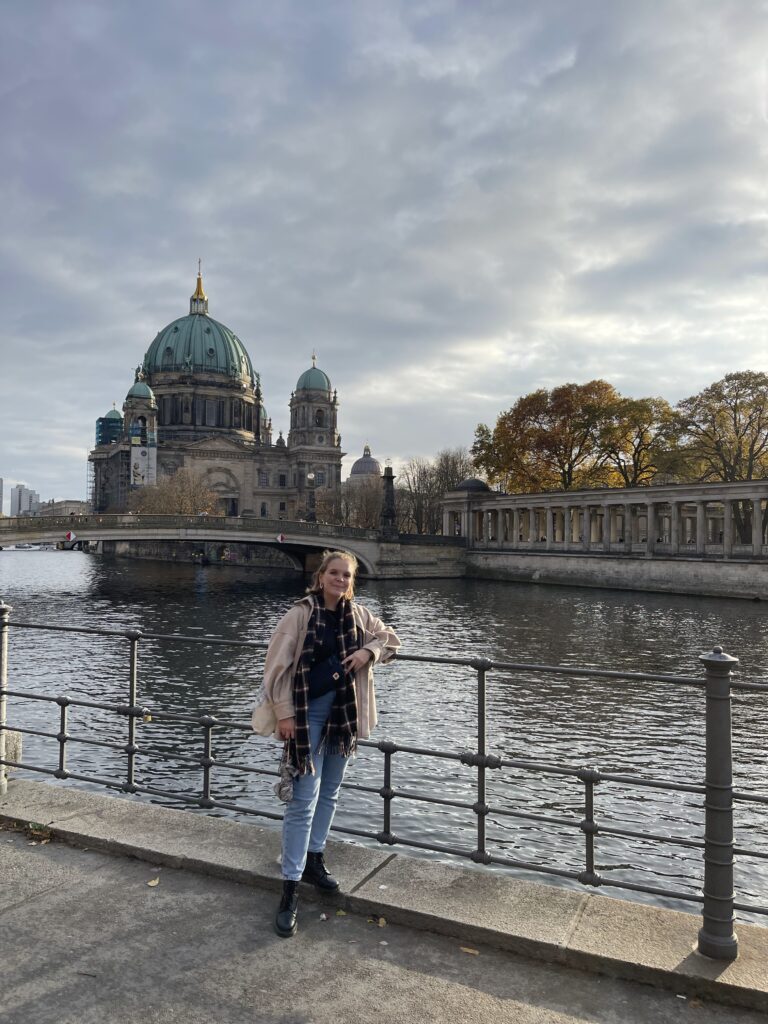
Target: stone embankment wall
{"x": 747, "y": 580}
{"x": 199, "y": 552}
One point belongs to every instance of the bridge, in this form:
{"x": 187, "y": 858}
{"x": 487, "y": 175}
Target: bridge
{"x": 300, "y": 542}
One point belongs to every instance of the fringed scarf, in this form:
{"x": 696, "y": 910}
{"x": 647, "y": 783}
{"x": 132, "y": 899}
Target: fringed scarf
{"x": 340, "y": 735}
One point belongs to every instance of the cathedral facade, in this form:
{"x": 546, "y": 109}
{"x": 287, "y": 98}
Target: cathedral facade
{"x": 196, "y": 404}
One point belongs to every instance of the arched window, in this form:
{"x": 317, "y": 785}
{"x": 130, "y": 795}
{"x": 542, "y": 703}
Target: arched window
{"x": 319, "y": 418}
{"x": 264, "y": 512}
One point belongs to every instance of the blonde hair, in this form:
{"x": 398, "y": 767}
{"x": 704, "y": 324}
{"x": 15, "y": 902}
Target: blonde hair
{"x": 328, "y": 557}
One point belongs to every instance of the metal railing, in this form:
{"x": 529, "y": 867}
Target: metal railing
{"x": 716, "y": 936}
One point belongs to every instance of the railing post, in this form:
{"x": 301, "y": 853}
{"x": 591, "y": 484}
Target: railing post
{"x": 716, "y": 936}
{"x": 5, "y": 611}
{"x": 131, "y": 748}
{"x": 482, "y": 665}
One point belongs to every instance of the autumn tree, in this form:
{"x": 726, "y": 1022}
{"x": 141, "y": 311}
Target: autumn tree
{"x": 548, "y": 439}
{"x": 723, "y": 434}
{"x": 635, "y": 438}
{"x": 183, "y": 493}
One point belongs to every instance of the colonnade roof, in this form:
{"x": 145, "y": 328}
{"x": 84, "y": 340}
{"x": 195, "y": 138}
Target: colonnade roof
{"x": 655, "y": 494}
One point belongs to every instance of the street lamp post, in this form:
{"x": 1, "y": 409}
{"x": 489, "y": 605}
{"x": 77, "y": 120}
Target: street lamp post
{"x": 311, "y": 517}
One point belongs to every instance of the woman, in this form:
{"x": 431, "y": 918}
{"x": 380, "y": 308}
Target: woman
{"x": 318, "y": 689}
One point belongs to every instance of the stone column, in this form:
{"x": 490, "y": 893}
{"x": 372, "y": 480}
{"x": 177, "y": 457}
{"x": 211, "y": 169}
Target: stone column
{"x": 447, "y": 532}
{"x": 586, "y": 524}
{"x": 607, "y": 527}
{"x": 549, "y": 515}
{"x": 757, "y": 527}
{"x": 650, "y": 520}
{"x": 516, "y": 527}
{"x": 531, "y": 525}
{"x": 568, "y": 527}
{"x": 674, "y": 528}
{"x": 701, "y": 527}
{"x": 727, "y": 528}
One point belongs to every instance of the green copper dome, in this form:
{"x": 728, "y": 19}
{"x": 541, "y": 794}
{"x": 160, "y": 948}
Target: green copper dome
{"x": 198, "y": 343}
{"x": 313, "y": 379}
{"x": 140, "y": 390}
{"x": 113, "y": 414}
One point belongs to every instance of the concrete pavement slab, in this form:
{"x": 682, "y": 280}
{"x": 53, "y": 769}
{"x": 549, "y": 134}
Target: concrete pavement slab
{"x": 604, "y": 935}
{"x": 104, "y": 946}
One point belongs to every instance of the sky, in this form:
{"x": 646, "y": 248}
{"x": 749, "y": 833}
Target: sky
{"x": 451, "y": 203}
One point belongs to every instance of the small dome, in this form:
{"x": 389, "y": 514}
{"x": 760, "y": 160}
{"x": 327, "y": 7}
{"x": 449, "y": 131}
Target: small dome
{"x": 472, "y": 484}
{"x": 313, "y": 379}
{"x": 113, "y": 414}
{"x": 140, "y": 390}
{"x": 366, "y": 465}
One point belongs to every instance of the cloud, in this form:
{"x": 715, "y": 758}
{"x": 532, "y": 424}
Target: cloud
{"x": 451, "y": 203}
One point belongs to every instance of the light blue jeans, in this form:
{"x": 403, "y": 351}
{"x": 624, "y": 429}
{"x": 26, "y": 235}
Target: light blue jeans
{"x": 309, "y": 815}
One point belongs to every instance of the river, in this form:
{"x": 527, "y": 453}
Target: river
{"x": 648, "y": 730}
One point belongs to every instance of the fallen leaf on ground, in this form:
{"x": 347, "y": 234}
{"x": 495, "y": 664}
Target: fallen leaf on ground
{"x": 383, "y": 943}
{"x": 382, "y": 922}
{"x": 154, "y": 882}
{"x": 468, "y": 949}
{"x": 341, "y": 913}
{"x": 323, "y": 917}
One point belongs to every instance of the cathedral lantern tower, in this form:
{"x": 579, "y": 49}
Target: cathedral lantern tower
{"x": 313, "y": 438}
{"x": 140, "y": 426}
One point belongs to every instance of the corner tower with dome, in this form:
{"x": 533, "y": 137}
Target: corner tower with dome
{"x": 196, "y": 403}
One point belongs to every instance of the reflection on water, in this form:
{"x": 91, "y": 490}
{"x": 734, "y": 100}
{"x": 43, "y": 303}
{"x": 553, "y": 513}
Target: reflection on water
{"x": 628, "y": 727}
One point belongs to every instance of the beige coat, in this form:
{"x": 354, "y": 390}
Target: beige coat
{"x": 275, "y": 700}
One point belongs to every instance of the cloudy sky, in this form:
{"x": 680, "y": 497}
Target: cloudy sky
{"x": 452, "y": 203}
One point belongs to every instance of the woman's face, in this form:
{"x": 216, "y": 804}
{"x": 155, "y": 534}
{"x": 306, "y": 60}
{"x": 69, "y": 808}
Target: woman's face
{"x": 337, "y": 578}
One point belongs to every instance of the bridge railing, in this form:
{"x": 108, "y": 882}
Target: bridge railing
{"x": 716, "y": 845}
{"x": 30, "y": 525}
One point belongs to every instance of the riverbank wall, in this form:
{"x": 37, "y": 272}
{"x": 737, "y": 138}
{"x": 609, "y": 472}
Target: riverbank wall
{"x": 707, "y": 578}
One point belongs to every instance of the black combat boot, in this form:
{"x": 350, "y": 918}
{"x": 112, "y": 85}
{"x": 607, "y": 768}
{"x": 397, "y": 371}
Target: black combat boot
{"x": 317, "y": 874}
{"x": 285, "y": 921}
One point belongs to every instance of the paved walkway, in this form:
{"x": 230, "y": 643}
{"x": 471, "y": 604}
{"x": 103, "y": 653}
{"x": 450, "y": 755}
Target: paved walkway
{"x": 95, "y": 935}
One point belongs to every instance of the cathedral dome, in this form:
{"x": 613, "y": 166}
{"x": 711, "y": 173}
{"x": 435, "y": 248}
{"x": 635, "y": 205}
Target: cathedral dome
{"x": 366, "y": 465}
{"x": 113, "y": 414}
{"x": 313, "y": 379}
{"x": 199, "y": 344}
{"x": 139, "y": 390}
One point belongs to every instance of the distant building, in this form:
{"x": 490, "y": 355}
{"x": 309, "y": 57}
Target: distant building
{"x": 196, "y": 404}
{"x": 65, "y": 507}
{"x": 362, "y": 492}
{"x": 24, "y": 502}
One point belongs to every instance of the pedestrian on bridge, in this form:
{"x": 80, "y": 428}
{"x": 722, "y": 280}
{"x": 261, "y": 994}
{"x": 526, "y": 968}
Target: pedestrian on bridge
{"x": 317, "y": 697}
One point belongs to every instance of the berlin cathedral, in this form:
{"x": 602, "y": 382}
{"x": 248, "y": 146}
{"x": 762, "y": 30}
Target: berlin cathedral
{"x": 197, "y": 404}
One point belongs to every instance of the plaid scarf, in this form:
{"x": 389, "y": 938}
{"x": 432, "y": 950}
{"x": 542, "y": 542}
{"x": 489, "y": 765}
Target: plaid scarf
{"x": 340, "y": 734}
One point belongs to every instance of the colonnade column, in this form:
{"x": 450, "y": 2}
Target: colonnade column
{"x": 568, "y": 527}
{"x": 727, "y": 529}
{"x": 606, "y": 527}
{"x": 701, "y": 527}
{"x": 674, "y": 527}
{"x": 586, "y": 533}
{"x": 757, "y": 526}
{"x": 549, "y": 516}
{"x": 650, "y": 529}
{"x": 515, "y": 527}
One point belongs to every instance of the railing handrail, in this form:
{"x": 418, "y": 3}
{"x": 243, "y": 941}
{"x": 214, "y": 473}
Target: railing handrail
{"x": 470, "y": 662}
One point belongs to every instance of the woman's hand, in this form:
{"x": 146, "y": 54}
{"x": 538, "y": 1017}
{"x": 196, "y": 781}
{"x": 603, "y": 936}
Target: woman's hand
{"x": 286, "y": 728}
{"x": 356, "y": 660}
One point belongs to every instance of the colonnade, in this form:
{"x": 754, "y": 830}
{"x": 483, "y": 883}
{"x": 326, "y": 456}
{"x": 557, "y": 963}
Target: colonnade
{"x": 728, "y": 520}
